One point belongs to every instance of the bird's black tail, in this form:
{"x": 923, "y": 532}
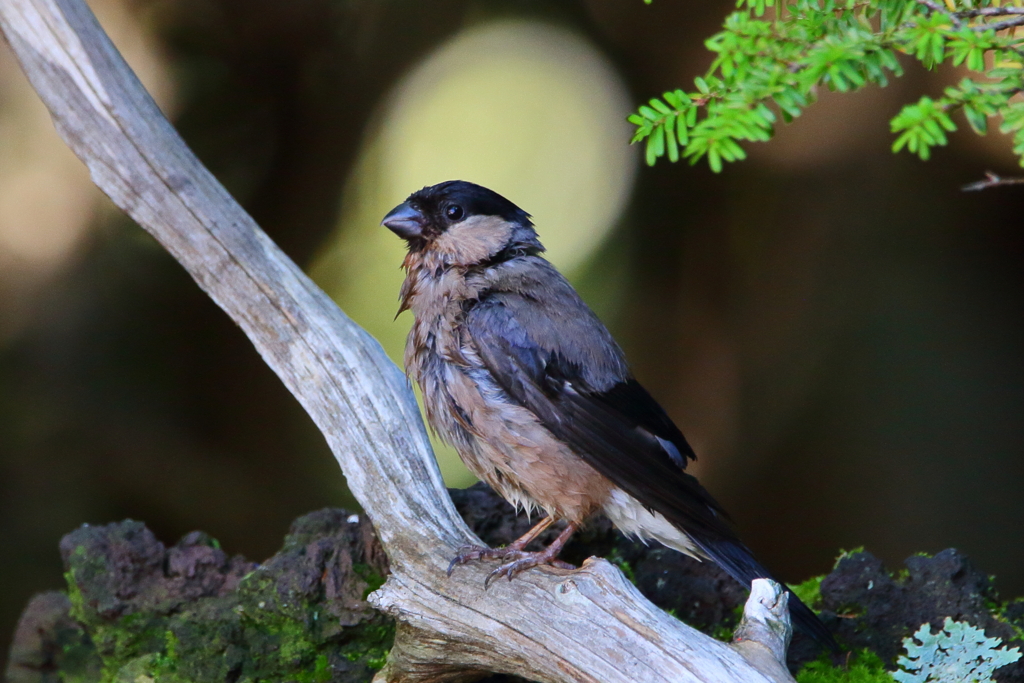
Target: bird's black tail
{"x": 737, "y": 560}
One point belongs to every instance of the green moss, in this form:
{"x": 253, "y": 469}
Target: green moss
{"x": 723, "y": 633}
{"x": 166, "y": 662}
{"x": 77, "y": 660}
{"x": 809, "y": 592}
{"x": 727, "y": 626}
{"x": 1002, "y": 613}
{"x": 137, "y": 670}
{"x": 371, "y": 645}
{"x": 373, "y": 579}
{"x": 843, "y": 554}
{"x": 278, "y": 624}
{"x": 126, "y": 641}
{"x": 115, "y": 643}
{"x": 78, "y": 611}
{"x": 251, "y": 635}
{"x": 320, "y": 674}
{"x": 863, "y": 666}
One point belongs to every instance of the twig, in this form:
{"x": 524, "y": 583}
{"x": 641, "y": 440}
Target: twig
{"x": 936, "y": 7}
{"x": 1000, "y": 25}
{"x": 992, "y": 180}
{"x": 991, "y": 12}
{"x": 957, "y": 18}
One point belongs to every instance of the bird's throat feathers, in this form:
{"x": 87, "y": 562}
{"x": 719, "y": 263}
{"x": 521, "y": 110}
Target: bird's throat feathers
{"x": 444, "y": 262}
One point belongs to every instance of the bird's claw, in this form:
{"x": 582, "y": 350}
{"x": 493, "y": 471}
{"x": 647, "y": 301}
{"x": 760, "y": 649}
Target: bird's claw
{"x": 520, "y": 560}
{"x": 470, "y": 553}
{"x": 523, "y": 562}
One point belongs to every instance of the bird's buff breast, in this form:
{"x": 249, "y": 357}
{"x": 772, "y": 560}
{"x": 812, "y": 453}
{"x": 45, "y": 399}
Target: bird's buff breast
{"x": 500, "y": 442}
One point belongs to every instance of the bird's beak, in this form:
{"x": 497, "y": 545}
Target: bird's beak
{"x": 405, "y": 221}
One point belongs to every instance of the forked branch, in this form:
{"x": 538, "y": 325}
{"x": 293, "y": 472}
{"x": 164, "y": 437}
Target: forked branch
{"x": 548, "y": 626}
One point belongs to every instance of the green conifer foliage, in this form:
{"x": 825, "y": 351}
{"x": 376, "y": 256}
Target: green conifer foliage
{"x": 773, "y": 55}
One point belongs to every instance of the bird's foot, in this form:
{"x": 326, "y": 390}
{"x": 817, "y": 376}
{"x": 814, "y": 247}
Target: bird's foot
{"x": 521, "y": 561}
{"x": 514, "y": 557}
{"x": 472, "y": 553}
{"x": 515, "y": 560}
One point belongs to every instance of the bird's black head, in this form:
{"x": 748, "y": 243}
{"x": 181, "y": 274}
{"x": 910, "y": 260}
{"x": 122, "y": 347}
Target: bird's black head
{"x": 465, "y": 224}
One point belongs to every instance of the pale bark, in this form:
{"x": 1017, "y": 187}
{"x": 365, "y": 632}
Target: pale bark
{"x": 547, "y": 625}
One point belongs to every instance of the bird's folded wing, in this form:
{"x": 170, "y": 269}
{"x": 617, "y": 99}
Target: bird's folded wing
{"x": 553, "y": 356}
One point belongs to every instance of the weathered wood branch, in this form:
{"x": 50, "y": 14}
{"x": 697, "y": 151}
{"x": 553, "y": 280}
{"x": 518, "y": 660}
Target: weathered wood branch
{"x": 548, "y": 625}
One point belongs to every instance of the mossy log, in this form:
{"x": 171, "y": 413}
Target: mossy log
{"x": 136, "y": 610}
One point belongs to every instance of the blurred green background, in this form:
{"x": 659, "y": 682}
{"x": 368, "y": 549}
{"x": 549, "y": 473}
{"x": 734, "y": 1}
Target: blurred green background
{"x": 837, "y": 330}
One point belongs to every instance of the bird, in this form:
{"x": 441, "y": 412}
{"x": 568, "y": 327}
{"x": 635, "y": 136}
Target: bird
{"x": 522, "y": 378}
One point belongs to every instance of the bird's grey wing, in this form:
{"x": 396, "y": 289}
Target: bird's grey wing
{"x": 553, "y": 356}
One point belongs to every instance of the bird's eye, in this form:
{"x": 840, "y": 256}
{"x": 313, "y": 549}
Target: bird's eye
{"x": 454, "y": 212}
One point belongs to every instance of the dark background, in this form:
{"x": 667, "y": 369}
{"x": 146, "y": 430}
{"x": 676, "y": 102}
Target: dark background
{"x": 837, "y": 328}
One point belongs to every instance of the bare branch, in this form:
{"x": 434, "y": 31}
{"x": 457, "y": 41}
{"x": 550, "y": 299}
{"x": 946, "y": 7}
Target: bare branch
{"x": 991, "y": 12}
{"x": 991, "y": 180}
{"x": 764, "y": 632}
{"x": 1000, "y": 25}
{"x": 549, "y": 626}
{"x": 957, "y": 18}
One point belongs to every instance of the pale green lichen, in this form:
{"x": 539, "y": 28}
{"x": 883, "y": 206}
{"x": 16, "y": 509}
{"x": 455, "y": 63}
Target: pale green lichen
{"x": 958, "y": 653}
